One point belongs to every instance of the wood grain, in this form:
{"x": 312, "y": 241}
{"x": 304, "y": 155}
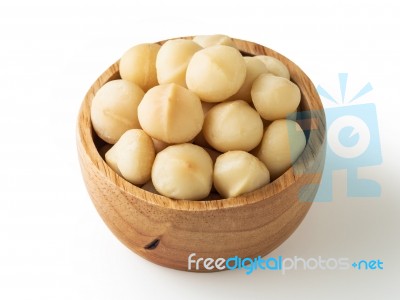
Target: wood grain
{"x": 167, "y": 231}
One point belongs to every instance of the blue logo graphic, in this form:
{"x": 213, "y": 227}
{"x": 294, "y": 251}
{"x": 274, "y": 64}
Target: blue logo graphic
{"x": 373, "y": 264}
{"x": 352, "y": 142}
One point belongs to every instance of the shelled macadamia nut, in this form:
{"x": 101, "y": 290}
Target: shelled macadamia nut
{"x": 132, "y": 156}
{"x": 275, "y": 97}
{"x": 239, "y": 172}
{"x": 114, "y": 109}
{"x": 111, "y": 156}
{"x": 274, "y": 66}
{"x": 185, "y": 115}
{"x": 183, "y": 171}
{"x": 171, "y": 113}
{"x": 138, "y": 65}
{"x": 212, "y": 40}
{"x": 233, "y": 125}
{"x": 173, "y": 59}
{"x": 216, "y": 73}
{"x": 254, "y": 68}
{"x": 282, "y": 144}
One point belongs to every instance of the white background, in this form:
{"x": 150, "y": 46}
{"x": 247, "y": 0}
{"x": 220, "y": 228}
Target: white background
{"x": 53, "y": 245}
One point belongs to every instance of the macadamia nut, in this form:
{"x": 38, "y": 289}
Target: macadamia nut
{"x": 254, "y": 68}
{"x": 282, "y": 144}
{"x": 239, "y": 172}
{"x": 275, "y": 97}
{"x": 274, "y": 66}
{"x": 114, "y": 109}
{"x": 233, "y": 125}
{"x": 173, "y": 59}
{"x": 185, "y": 115}
{"x": 183, "y": 171}
{"x": 171, "y": 113}
{"x": 212, "y": 40}
{"x": 216, "y": 73}
{"x": 138, "y": 65}
{"x": 132, "y": 156}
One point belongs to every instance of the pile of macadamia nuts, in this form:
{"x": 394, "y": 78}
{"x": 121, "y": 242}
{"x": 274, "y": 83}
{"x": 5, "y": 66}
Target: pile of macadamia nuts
{"x": 196, "y": 120}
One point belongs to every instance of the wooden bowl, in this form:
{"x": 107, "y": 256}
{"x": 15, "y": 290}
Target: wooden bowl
{"x": 167, "y": 231}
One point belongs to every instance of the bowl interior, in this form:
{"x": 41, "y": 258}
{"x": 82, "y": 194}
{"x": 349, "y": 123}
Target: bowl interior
{"x": 311, "y": 118}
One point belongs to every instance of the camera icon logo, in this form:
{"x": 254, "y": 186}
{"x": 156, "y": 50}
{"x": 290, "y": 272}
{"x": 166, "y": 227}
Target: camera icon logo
{"x": 352, "y": 143}
{"x": 345, "y": 141}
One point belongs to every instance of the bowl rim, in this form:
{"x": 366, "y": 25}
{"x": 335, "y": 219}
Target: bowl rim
{"x": 315, "y": 143}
